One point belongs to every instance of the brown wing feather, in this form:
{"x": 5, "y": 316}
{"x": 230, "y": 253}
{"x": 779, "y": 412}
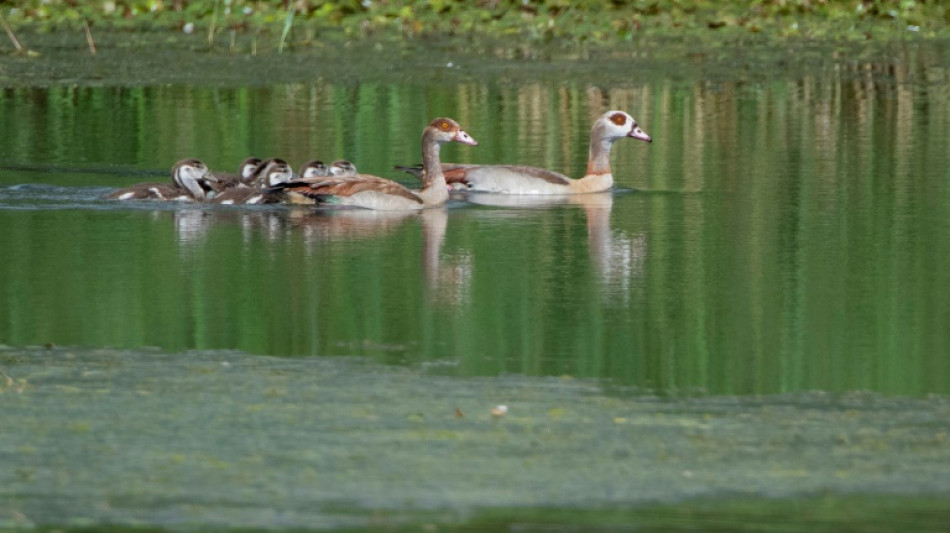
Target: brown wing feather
{"x": 454, "y": 175}
{"x": 146, "y": 191}
{"x": 348, "y": 186}
{"x": 225, "y": 182}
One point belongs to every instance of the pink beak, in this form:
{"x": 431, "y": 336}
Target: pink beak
{"x": 638, "y": 133}
{"x": 465, "y": 138}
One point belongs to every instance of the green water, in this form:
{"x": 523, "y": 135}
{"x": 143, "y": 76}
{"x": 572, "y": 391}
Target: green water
{"x": 214, "y": 440}
{"x": 783, "y": 242}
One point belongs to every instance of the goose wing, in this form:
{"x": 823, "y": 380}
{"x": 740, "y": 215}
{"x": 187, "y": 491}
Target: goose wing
{"x": 320, "y": 188}
{"x": 513, "y": 172}
{"x": 465, "y": 174}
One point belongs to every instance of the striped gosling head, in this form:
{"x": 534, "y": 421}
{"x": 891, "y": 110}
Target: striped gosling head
{"x": 314, "y": 169}
{"x": 274, "y": 171}
{"x": 193, "y": 176}
{"x": 248, "y": 168}
{"x": 342, "y": 167}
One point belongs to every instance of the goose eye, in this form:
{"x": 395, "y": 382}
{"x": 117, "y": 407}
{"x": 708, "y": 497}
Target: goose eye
{"x": 444, "y": 125}
{"x": 618, "y": 119}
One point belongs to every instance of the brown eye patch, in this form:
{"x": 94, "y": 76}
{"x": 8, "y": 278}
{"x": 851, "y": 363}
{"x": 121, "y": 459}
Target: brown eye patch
{"x": 618, "y": 118}
{"x": 444, "y": 125}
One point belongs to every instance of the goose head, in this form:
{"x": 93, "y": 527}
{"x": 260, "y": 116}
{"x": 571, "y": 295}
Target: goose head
{"x": 274, "y": 171}
{"x": 342, "y": 167}
{"x": 193, "y": 176}
{"x": 443, "y": 130}
{"x": 615, "y": 125}
{"x": 314, "y": 169}
{"x": 248, "y": 168}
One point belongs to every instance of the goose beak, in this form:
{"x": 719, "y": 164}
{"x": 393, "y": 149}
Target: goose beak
{"x": 210, "y": 177}
{"x": 638, "y": 133}
{"x": 464, "y": 138}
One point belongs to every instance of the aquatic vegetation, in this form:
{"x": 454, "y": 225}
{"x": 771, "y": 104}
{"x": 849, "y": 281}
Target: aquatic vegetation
{"x": 575, "y": 21}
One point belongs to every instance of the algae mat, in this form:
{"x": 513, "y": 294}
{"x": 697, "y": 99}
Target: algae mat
{"x": 227, "y": 440}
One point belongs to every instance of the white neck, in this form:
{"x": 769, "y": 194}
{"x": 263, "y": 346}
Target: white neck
{"x": 189, "y": 183}
{"x": 598, "y": 157}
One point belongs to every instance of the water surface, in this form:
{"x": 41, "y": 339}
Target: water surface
{"x": 781, "y": 245}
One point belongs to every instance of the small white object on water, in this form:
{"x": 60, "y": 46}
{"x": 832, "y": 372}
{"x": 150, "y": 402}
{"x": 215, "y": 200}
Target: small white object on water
{"x": 499, "y": 410}
{"x": 188, "y": 28}
{"x": 449, "y": 65}
{"x": 913, "y": 28}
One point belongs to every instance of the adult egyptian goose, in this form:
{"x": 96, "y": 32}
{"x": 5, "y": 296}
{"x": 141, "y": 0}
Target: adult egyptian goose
{"x": 519, "y": 179}
{"x": 191, "y": 181}
{"x": 372, "y": 192}
{"x": 268, "y": 173}
{"x": 245, "y": 174}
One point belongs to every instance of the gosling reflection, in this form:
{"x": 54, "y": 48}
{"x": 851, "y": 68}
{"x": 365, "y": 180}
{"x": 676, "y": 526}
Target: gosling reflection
{"x": 617, "y": 257}
{"x": 318, "y": 226}
{"x": 447, "y": 279}
{"x": 191, "y": 226}
{"x": 271, "y": 225}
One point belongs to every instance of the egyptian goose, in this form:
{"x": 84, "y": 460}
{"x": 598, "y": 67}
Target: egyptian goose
{"x": 268, "y": 173}
{"x": 372, "y": 192}
{"x": 342, "y": 167}
{"x": 245, "y": 173}
{"x": 319, "y": 169}
{"x": 314, "y": 169}
{"x": 519, "y": 179}
{"x": 191, "y": 181}
{"x": 271, "y": 172}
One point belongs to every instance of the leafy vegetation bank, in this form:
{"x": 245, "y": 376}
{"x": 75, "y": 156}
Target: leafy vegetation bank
{"x": 532, "y": 20}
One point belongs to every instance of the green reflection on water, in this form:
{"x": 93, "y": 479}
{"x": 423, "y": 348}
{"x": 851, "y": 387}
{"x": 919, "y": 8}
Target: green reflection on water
{"x": 785, "y": 235}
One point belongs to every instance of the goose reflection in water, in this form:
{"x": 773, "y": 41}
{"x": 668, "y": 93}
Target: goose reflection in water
{"x": 447, "y": 279}
{"x": 191, "y": 226}
{"x": 319, "y": 225}
{"x": 616, "y": 256}
{"x": 316, "y": 226}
